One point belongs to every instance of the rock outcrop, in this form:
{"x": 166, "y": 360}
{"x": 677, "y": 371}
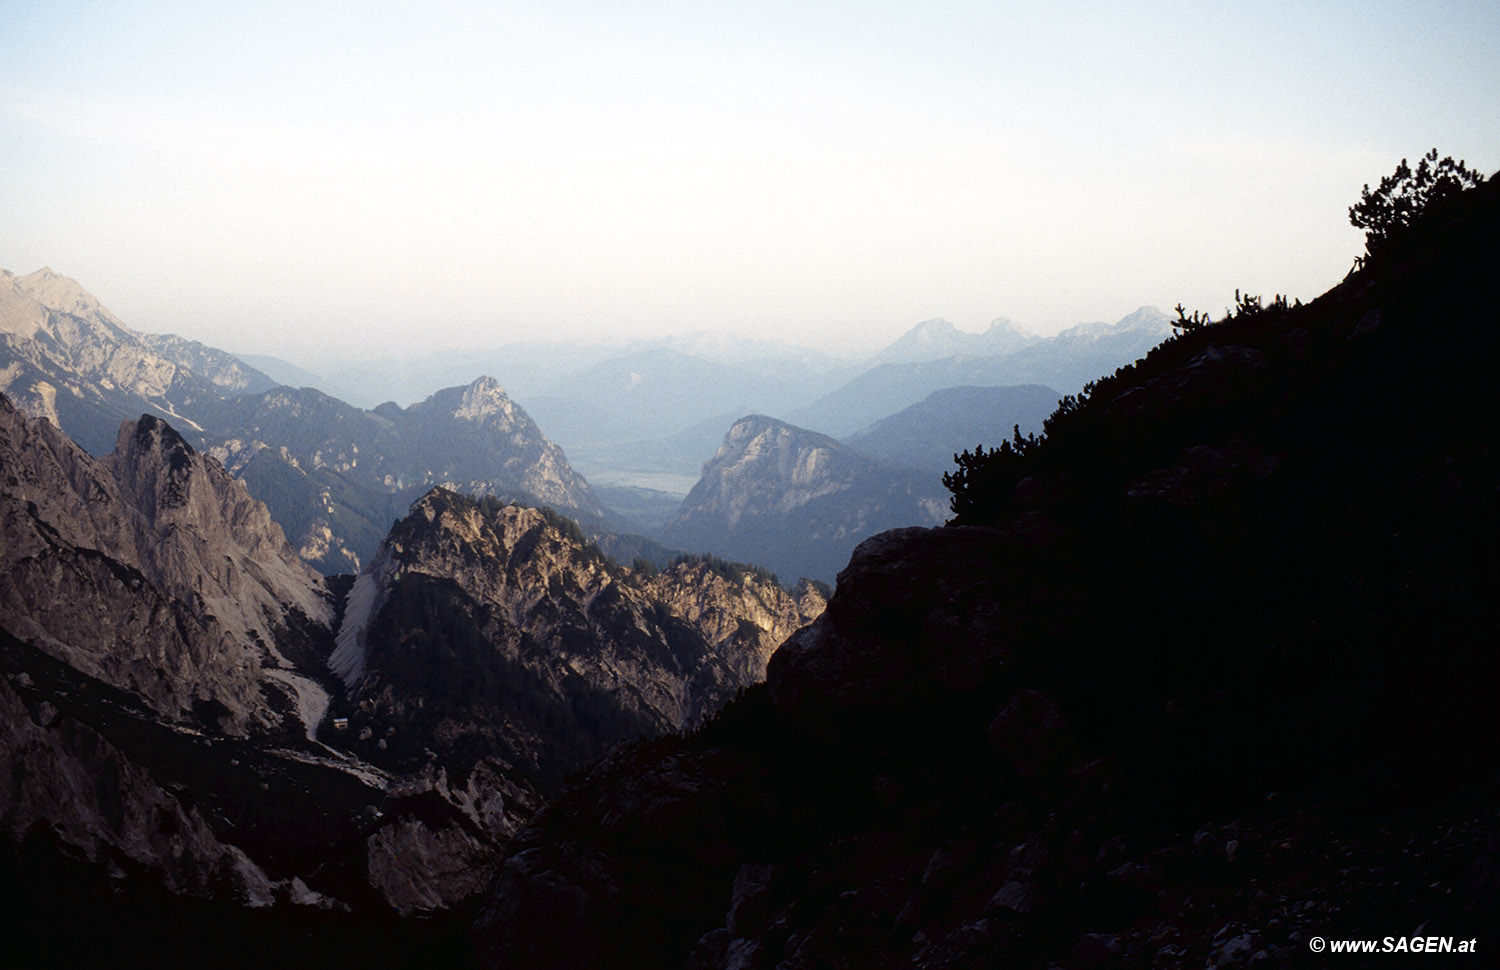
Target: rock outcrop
{"x": 1203, "y": 675}
{"x": 490, "y": 651}
{"x": 174, "y": 721}
{"x": 162, "y": 651}
{"x": 153, "y": 571}
{"x": 795, "y": 501}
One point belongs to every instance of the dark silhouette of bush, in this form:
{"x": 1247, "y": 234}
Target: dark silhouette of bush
{"x": 1405, "y": 194}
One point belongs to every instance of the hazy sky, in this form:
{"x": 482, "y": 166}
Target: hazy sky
{"x": 298, "y": 177}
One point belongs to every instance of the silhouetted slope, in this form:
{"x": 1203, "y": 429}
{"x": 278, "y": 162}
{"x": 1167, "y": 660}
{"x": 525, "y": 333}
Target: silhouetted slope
{"x": 1208, "y": 672}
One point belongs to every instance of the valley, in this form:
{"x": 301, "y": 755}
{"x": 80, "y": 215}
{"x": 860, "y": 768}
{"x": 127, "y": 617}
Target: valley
{"x": 1205, "y": 599}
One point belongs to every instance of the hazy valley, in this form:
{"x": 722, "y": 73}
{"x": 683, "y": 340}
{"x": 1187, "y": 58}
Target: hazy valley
{"x": 1149, "y": 643}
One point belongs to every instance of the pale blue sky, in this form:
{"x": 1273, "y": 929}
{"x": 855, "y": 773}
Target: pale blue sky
{"x": 293, "y": 178}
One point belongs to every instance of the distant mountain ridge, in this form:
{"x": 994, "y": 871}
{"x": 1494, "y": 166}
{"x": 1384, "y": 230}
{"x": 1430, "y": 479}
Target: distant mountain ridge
{"x": 1065, "y": 362}
{"x": 333, "y": 475}
{"x": 937, "y": 338}
{"x": 796, "y": 501}
{"x": 928, "y": 434}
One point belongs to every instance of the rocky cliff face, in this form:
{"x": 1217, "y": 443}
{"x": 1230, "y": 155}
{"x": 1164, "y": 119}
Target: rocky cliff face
{"x": 161, "y": 647}
{"x": 489, "y": 651}
{"x": 164, "y": 657}
{"x": 226, "y": 372}
{"x": 796, "y": 501}
{"x": 65, "y": 357}
{"x": 1204, "y": 675}
{"x": 151, "y": 561}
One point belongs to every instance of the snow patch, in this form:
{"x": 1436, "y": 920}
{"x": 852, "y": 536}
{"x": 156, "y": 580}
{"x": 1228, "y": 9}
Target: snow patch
{"x": 365, "y": 600}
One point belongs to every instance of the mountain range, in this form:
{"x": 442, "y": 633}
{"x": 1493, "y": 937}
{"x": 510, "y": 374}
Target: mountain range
{"x": 938, "y": 338}
{"x": 191, "y": 707}
{"x": 1200, "y": 675}
{"x": 1066, "y": 362}
{"x": 1199, "y": 678}
{"x": 643, "y": 420}
{"x": 333, "y": 475}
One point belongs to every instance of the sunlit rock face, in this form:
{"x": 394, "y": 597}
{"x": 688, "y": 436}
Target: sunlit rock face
{"x": 796, "y": 501}
{"x": 489, "y": 651}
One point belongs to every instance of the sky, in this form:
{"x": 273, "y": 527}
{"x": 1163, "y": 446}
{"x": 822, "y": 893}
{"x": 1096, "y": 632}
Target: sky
{"x": 321, "y": 179}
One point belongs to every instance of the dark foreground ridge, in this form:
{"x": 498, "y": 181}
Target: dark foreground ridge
{"x": 1205, "y": 674}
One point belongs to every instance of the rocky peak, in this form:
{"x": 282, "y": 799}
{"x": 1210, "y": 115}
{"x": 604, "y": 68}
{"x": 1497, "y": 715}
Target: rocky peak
{"x": 482, "y": 399}
{"x": 150, "y": 569}
{"x": 767, "y": 447}
{"x": 493, "y": 643}
{"x": 67, "y": 295}
{"x": 795, "y": 500}
{"x": 202, "y": 536}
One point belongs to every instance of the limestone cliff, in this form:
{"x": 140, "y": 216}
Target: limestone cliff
{"x": 490, "y": 651}
{"x": 795, "y": 501}
{"x": 152, "y": 570}
{"x": 161, "y": 673}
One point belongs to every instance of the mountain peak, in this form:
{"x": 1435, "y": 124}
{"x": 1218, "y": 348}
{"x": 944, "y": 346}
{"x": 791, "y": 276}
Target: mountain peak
{"x": 150, "y": 434}
{"x": 1006, "y": 326}
{"x": 58, "y": 292}
{"x": 481, "y": 399}
{"x": 938, "y": 338}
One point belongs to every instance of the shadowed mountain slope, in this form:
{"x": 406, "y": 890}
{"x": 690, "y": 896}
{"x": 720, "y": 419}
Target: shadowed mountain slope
{"x": 1205, "y": 673}
{"x": 928, "y": 434}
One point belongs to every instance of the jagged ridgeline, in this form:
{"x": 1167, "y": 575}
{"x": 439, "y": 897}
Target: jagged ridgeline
{"x": 495, "y": 632}
{"x": 1204, "y": 672}
{"x": 177, "y": 745}
{"x": 332, "y": 475}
